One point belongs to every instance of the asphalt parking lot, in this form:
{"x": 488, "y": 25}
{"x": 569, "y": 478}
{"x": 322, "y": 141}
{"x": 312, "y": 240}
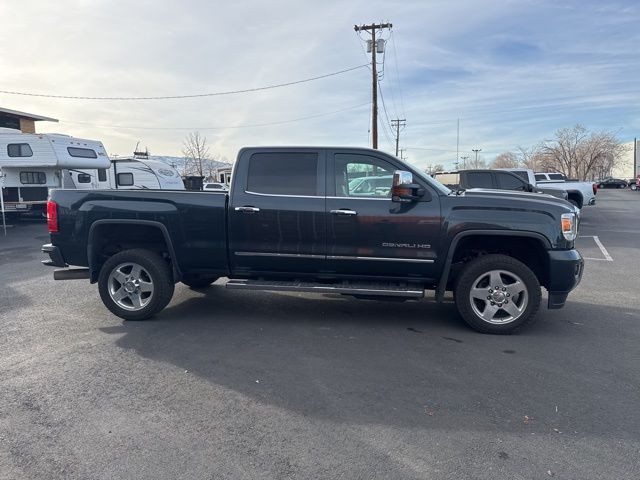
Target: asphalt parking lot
{"x": 232, "y": 384}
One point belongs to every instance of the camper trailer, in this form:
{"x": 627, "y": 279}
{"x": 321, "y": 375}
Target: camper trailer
{"x": 128, "y": 173}
{"x": 31, "y": 164}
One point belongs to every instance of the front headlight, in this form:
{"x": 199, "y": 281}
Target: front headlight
{"x": 569, "y": 226}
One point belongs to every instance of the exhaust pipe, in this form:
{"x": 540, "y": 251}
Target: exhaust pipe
{"x": 71, "y": 274}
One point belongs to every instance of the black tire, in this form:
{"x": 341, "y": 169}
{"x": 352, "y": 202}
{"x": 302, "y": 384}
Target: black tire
{"x": 487, "y": 263}
{"x": 160, "y": 276}
{"x": 196, "y": 281}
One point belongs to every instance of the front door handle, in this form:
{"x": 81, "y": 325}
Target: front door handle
{"x": 344, "y": 211}
{"x": 247, "y": 209}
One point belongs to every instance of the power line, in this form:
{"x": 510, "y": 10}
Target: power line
{"x": 279, "y": 122}
{"x": 395, "y": 61}
{"x": 173, "y": 97}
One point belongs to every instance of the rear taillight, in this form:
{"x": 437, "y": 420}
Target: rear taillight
{"x": 595, "y": 188}
{"x": 52, "y": 216}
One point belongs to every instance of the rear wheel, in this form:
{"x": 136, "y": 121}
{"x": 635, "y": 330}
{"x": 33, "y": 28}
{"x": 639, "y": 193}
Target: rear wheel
{"x": 135, "y": 284}
{"x": 197, "y": 281}
{"x": 497, "y": 294}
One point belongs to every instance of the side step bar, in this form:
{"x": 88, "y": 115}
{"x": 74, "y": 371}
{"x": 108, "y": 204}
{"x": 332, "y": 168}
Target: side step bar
{"x": 346, "y": 288}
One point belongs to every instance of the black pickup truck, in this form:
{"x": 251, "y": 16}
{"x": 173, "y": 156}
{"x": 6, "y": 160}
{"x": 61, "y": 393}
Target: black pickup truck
{"x": 352, "y": 221}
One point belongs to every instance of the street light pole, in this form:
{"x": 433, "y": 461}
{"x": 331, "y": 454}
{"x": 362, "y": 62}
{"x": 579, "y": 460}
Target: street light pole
{"x": 476, "y": 150}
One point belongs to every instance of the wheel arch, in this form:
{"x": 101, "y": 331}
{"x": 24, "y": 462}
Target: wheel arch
{"x": 577, "y": 196}
{"x": 94, "y": 249}
{"x": 540, "y": 240}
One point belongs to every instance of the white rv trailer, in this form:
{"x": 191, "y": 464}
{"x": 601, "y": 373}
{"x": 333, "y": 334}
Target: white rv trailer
{"x": 31, "y": 163}
{"x": 128, "y": 173}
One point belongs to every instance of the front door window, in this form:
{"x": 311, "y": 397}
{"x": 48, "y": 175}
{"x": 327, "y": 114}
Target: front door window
{"x": 362, "y": 176}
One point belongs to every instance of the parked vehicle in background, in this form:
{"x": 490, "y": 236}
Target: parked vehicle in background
{"x": 31, "y": 164}
{"x": 634, "y": 183}
{"x": 578, "y": 193}
{"x": 295, "y": 220}
{"x": 127, "y": 173}
{"x": 610, "y": 182}
{"x": 492, "y": 179}
{"x": 221, "y": 187}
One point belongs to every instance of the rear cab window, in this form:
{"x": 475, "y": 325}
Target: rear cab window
{"x": 510, "y": 182}
{"x": 479, "y": 180}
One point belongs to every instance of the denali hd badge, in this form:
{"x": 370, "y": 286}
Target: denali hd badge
{"x": 405, "y": 245}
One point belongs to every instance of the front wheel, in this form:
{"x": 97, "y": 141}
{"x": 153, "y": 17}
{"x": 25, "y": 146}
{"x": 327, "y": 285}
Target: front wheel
{"x": 633, "y": 187}
{"x": 135, "y": 284}
{"x": 497, "y": 294}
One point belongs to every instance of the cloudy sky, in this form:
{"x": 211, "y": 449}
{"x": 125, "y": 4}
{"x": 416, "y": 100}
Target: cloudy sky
{"x": 511, "y": 71}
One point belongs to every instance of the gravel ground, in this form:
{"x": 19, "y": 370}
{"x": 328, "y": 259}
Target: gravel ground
{"x": 232, "y": 384}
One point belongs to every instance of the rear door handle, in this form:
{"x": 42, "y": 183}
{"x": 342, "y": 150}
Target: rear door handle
{"x": 247, "y": 209}
{"x": 344, "y": 211}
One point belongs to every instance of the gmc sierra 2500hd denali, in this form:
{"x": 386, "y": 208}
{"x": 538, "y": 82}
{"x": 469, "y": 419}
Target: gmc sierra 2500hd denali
{"x": 352, "y": 221}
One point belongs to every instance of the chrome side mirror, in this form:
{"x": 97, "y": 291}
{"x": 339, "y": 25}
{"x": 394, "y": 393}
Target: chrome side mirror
{"x": 403, "y": 189}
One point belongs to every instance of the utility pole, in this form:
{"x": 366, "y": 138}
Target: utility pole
{"x": 476, "y": 150}
{"x": 398, "y": 122}
{"x": 402, "y": 157}
{"x": 374, "y": 71}
{"x": 635, "y": 158}
{"x": 464, "y": 159}
{"x": 458, "y": 143}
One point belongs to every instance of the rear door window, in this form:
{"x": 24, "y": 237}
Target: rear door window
{"x": 288, "y": 173}
{"x": 540, "y": 176}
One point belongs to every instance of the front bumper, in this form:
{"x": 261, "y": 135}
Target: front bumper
{"x": 565, "y": 272}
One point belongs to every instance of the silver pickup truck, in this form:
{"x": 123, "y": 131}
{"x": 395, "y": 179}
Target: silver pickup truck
{"x": 579, "y": 193}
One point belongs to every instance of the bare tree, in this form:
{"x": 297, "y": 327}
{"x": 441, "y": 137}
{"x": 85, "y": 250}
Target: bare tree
{"x": 580, "y": 153}
{"x": 531, "y": 158}
{"x": 505, "y": 160}
{"x": 196, "y": 154}
{"x": 433, "y": 168}
{"x": 476, "y": 164}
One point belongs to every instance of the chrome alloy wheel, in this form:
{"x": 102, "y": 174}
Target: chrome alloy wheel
{"x": 130, "y": 286}
{"x": 498, "y": 297}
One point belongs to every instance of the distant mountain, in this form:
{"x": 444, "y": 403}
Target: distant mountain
{"x": 178, "y": 162}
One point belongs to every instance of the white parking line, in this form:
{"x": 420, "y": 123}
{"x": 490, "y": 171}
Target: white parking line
{"x": 605, "y": 253}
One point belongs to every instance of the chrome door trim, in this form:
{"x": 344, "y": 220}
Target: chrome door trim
{"x": 383, "y": 259}
{"x": 281, "y": 255}
{"x": 387, "y": 199}
{"x": 282, "y": 195}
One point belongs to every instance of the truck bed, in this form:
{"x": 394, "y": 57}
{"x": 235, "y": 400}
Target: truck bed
{"x": 194, "y": 222}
